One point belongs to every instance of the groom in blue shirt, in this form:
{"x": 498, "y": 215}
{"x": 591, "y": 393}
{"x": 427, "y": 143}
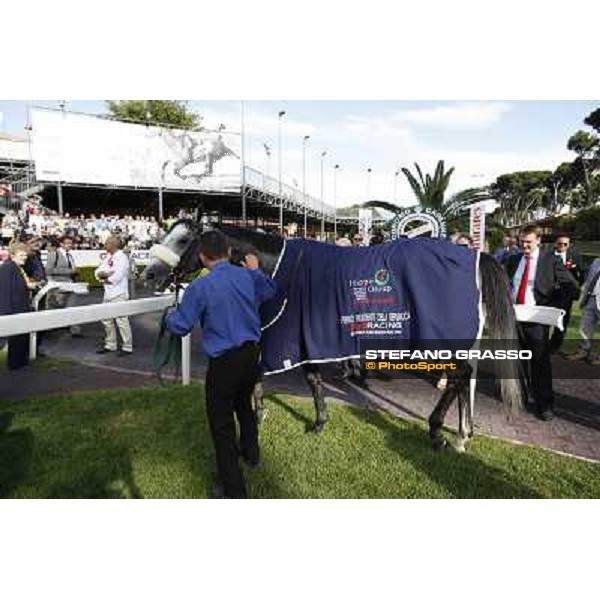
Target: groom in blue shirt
{"x": 226, "y": 304}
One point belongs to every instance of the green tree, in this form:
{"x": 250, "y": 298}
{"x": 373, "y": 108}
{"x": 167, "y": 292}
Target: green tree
{"x": 586, "y": 146}
{"x": 518, "y": 194}
{"x": 593, "y": 120}
{"x": 160, "y": 112}
{"x": 562, "y": 184}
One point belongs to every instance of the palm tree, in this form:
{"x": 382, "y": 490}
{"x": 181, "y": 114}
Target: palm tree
{"x": 430, "y": 193}
{"x": 430, "y": 190}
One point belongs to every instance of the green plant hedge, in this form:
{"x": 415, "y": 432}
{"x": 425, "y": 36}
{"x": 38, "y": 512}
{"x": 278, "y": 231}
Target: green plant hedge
{"x": 86, "y": 275}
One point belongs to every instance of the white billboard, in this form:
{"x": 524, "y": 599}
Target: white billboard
{"x": 84, "y": 149}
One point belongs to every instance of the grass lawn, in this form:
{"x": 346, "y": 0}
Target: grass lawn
{"x": 154, "y": 443}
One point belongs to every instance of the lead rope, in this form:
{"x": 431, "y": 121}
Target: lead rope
{"x": 163, "y": 356}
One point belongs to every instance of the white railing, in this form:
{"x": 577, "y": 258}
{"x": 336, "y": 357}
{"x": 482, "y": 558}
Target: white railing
{"x": 270, "y": 185}
{"x": 32, "y": 322}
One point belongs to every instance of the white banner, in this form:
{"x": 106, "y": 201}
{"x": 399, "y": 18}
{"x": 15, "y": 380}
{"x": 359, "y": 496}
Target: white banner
{"x": 365, "y": 222}
{"x": 93, "y": 258}
{"x": 477, "y": 226}
{"x": 85, "y": 149}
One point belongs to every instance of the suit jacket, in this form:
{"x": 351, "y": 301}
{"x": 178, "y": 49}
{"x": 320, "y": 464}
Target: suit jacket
{"x": 553, "y": 286}
{"x": 14, "y": 295}
{"x": 502, "y": 254}
{"x": 590, "y": 282}
{"x": 34, "y": 267}
{"x": 57, "y": 267}
{"x": 574, "y": 265}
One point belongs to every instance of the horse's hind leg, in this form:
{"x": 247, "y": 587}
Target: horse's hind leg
{"x": 465, "y": 419}
{"x": 358, "y": 372}
{"x": 458, "y": 385}
{"x": 463, "y": 426}
{"x": 315, "y": 381}
{"x": 437, "y": 417}
{"x": 258, "y": 399}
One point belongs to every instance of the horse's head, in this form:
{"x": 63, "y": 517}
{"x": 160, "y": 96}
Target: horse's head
{"x": 176, "y": 255}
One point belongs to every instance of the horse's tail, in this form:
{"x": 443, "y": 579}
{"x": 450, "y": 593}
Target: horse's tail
{"x": 502, "y": 327}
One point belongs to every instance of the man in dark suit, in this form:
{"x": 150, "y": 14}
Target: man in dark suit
{"x": 14, "y": 298}
{"x": 34, "y": 265}
{"x": 572, "y": 263}
{"x": 60, "y": 266}
{"x": 538, "y": 279}
{"x": 509, "y": 248}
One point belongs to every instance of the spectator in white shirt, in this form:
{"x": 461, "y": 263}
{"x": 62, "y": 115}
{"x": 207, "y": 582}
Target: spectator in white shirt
{"x": 113, "y": 272}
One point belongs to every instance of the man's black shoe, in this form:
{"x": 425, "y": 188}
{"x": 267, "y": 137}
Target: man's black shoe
{"x": 103, "y": 351}
{"x": 252, "y": 460}
{"x": 253, "y": 463}
{"x": 546, "y": 415}
{"x": 122, "y": 353}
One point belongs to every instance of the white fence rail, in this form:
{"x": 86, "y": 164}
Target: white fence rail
{"x": 32, "y": 322}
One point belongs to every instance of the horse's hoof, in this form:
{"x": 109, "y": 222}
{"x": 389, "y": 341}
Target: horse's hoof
{"x": 439, "y": 445}
{"x": 316, "y": 428}
{"x": 459, "y": 446}
{"x": 361, "y": 383}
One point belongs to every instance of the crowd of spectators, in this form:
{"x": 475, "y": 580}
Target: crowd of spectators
{"x": 88, "y": 233}
{"x": 35, "y": 222}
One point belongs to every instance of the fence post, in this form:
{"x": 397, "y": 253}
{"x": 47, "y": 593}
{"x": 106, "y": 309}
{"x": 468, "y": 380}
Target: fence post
{"x": 33, "y": 346}
{"x": 186, "y": 358}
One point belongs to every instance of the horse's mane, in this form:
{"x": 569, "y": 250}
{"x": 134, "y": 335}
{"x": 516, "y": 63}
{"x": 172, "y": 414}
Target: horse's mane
{"x": 263, "y": 242}
{"x": 189, "y": 223}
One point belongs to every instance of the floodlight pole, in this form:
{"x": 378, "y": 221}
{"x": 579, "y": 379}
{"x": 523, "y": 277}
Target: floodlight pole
{"x": 304, "y": 140}
{"x": 322, "y": 197}
{"x": 280, "y": 115}
{"x": 244, "y": 215}
{"x": 60, "y": 198}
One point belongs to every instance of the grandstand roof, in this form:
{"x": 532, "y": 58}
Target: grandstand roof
{"x": 13, "y": 147}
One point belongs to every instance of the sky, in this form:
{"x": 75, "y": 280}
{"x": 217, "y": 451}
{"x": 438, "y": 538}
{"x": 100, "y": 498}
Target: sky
{"x": 481, "y": 139}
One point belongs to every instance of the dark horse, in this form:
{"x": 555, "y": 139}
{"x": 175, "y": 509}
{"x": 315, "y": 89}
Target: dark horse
{"x": 178, "y": 255}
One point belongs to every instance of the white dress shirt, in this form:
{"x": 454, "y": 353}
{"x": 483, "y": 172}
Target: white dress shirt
{"x": 68, "y": 257}
{"x": 596, "y": 293}
{"x": 529, "y": 296}
{"x": 117, "y": 265}
{"x": 563, "y": 255}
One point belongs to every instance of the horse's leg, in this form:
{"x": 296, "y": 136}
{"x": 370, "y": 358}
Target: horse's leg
{"x": 458, "y": 382}
{"x": 436, "y": 419}
{"x": 258, "y": 398}
{"x": 315, "y": 381}
{"x": 463, "y": 408}
{"x": 358, "y": 372}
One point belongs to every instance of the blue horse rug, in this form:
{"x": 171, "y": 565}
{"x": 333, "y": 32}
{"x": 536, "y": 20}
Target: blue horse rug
{"x": 332, "y": 299}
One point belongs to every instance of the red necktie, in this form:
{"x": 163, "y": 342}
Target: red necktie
{"x": 523, "y": 284}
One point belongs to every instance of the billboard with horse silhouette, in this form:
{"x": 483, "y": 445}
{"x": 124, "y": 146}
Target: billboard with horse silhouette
{"x": 93, "y": 150}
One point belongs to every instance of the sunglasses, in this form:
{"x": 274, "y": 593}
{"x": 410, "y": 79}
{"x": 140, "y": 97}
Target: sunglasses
{"x": 562, "y": 243}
